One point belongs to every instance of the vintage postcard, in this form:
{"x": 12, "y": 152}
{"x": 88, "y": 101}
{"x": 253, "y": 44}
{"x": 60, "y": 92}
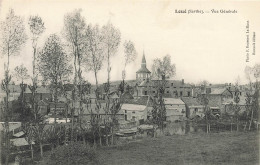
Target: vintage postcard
{"x": 129, "y": 82}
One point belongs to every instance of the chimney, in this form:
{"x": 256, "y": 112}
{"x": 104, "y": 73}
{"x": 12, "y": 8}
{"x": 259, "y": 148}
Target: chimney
{"x": 182, "y": 81}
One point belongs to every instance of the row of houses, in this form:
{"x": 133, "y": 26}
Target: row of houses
{"x": 181, "y": 99}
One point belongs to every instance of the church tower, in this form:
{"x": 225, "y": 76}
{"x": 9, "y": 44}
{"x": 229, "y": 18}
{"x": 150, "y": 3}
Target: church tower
{"x": 143, "y": 73}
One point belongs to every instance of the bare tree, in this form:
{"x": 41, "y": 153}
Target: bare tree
{"x": 130, "y": 56}
{"x": 253, "y": 73}
{"x": 54, "y": 65}
{"x": 12, "y": 37}
{"x": 36, "y": 28}
{"x": 94, "y": 55}
{"x": 112, "y": 38}
{"x": 111, "y": 43}
{"x": 75, "y": 33}
{"x": 203, "y": 83}
{"x": 163, "y": 68}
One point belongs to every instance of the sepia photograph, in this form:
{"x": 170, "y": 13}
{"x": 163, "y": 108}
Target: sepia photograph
{"x": 129, "y": 82}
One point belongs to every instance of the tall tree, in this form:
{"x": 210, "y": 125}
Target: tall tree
{"x": 54, "y": 65}
{"x": 163, "y": 68}
{"x": 12, "y": 37}
{"x": 130, "y": 56}
{"x": 94, "y": 55}
{"x": 37, "y": 27}
{"x": 112, "y": 38}
{"x": 75, "y": 33}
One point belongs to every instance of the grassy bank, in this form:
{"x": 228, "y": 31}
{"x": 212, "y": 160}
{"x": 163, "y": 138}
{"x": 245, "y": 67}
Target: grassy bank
{"x": 214, "y": 148}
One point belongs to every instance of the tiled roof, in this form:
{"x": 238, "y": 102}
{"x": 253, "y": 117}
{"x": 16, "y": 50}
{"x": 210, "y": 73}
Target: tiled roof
{"x": 135, "y": 107}
{"x": 20, "y": 142}
{"x": 191, "y": 101}
{"x": 173, "y": 101}
{"x": 92, "y": 107}
{"x": 217, "y": 91}
{"x": 169, "y": 83}
{"x": 12, "y": 125}
{"x": 143, "y": 70}
{"x": 58, "y": 105}
{"x": 19, "y": 134}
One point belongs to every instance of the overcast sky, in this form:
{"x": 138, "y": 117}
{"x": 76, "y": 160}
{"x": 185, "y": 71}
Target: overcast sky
{"x": 202, "y": 46}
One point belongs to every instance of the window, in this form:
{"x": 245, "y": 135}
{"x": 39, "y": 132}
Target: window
{"x": 145, "y": 92}
{"x": 153, "y": 91}
{"x": 133, "y": 112}
{"x": 167, "y": 91}
{"x": 188, "y": 94}
{"x": 180, "y": 93}
{"x": 172, "y": 84}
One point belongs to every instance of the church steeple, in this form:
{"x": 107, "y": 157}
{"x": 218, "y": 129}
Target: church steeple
{"x": 143, "y": 73}
{"x": 143, "y": 65}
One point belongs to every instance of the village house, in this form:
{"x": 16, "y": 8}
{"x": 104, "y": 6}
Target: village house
{"x": 92, "y": 111}
{"x": 193, "y": 107}
{"x": 40, "y": 94}
{"x": 175, "y": 109}
{"x": 173, "y": 88}
{"x": 135, "y": 112}
{"x": 229, "y": 105}
{"x": 216, "y": 97}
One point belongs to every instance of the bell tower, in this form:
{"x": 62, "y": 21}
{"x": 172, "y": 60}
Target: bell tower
{"x": 143, "y": 73}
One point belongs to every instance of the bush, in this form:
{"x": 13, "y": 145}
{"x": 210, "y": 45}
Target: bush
{"x": 74, "y": 153}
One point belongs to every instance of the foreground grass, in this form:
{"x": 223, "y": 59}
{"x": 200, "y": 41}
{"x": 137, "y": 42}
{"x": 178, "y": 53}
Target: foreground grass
{"x": 214, "y": 148}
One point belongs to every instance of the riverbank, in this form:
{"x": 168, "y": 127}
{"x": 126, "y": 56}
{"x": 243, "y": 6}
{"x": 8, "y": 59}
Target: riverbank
{"x": 196, "y": 149}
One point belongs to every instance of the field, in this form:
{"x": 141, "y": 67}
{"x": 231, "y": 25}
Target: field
{"x": 196, "y": 149}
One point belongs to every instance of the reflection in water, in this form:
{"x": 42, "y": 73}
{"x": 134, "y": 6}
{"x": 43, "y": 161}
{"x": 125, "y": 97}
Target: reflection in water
{"x": 182, "y": 128}
{"x": 179, "y": 128}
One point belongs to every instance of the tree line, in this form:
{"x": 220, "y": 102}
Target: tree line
{"x": 87, "y": 45}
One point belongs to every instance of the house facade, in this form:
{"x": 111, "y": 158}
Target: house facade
{"x": 134, "y": 112}
{"x": 175, "y": 109}
{"x": 193, "y": 107}
{"x": 173, "y": 88}
{"x": 216, "y": 97}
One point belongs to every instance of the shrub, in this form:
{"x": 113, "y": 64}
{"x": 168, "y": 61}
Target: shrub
{"x": 74, "y": 153}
